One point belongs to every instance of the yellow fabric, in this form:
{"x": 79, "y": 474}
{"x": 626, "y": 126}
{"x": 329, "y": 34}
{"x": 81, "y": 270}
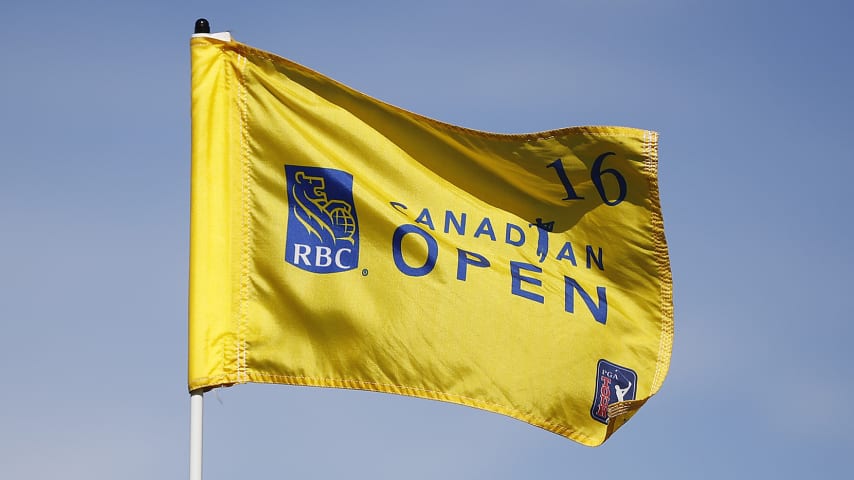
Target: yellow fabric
{"x": 445, "y": 282}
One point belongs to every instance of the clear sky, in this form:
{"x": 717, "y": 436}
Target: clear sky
{"x": 754, "y": 106}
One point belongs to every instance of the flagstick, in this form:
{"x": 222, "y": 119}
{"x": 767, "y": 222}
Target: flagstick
{"x": 196, "y": 407}
{"x": 197, "y": 398}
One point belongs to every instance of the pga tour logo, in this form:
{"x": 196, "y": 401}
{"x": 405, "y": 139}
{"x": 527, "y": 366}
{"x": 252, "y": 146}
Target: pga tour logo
{"x": 613, "y": 384}
{"x": 323, "y": 230}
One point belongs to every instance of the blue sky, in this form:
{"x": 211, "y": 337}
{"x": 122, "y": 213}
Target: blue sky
{"x": 753, "y": 103}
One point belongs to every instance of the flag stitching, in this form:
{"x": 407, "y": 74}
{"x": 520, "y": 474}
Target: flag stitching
{"x": 663, "y": 267}
{"x": 246, "y": 192}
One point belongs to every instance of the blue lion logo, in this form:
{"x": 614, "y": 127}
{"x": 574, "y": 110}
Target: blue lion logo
{"x": 328, "y": 220}
{"x": 323, "y": 233}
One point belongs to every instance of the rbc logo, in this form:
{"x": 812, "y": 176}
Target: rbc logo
{"x": 613, "y": 384}
{"x": 323, "y": 230}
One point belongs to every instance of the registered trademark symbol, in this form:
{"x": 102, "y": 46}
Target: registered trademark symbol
{"x": 364, "y": 272}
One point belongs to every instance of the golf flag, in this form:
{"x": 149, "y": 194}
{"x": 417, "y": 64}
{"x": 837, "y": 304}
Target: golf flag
{"x": 339, "y": 241}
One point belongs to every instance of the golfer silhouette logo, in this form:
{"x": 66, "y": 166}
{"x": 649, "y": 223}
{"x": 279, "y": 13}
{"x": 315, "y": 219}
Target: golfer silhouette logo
{"x": 621, "y": 392}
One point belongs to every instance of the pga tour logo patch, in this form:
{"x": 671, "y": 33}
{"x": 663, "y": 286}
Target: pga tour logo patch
{"x": 323, "y": 230}
{"x": 613, "y": 384}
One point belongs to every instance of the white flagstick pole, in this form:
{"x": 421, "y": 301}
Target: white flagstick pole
{"x": 196, "y": 408}
{"x": 197, "y": 399}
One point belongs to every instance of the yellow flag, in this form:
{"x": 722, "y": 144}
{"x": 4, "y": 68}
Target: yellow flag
{"x": 339, "y": 241}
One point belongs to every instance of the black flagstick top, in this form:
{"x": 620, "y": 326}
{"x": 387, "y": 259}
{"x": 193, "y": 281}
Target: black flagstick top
{"x": 202, "y": 26}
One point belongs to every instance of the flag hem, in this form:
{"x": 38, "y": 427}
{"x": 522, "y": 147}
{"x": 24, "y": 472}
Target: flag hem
{"x": 243, "y": 49}
{"x": 407, "y": 391}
